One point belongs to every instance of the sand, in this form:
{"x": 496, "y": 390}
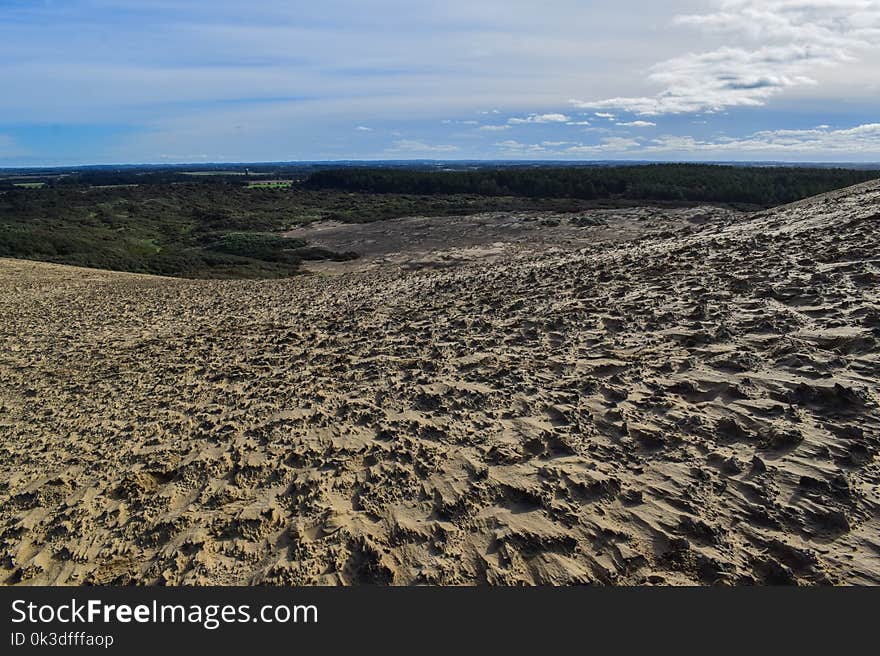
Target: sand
{"x": 694, "y": 404}
{"x": 435, "y": 242}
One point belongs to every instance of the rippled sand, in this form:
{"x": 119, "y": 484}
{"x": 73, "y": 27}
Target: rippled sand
{"x": 695, "y": 404}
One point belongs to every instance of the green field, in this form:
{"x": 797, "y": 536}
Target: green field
{"x": 270, "y": 184}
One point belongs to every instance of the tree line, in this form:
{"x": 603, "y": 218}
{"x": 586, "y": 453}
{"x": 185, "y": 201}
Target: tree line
{"x": 763, "y": 186}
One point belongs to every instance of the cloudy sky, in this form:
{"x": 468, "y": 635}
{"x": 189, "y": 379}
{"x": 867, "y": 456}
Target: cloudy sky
{"x": 113, "y": 81}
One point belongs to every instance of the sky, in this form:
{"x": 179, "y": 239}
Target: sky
{"x": 174, "y": 81}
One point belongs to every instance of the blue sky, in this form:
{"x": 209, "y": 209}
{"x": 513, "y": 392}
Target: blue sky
{"x": 131, "y": 81}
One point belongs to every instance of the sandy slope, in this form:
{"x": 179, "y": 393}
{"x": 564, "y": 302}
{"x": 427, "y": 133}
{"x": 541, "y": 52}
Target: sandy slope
{"x": 699, "y": 407}
{"x": 436, "y": 242}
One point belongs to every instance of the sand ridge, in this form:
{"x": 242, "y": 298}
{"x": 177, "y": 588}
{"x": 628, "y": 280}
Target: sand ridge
{"x": 692, "y": 407}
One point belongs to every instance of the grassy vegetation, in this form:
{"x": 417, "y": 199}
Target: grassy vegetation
{"x": 201, "y": 231}
{"x": 204, "y": 229}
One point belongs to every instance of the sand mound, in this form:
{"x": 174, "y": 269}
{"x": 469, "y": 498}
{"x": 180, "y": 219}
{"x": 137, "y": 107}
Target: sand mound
{"x": 700, "y": 407}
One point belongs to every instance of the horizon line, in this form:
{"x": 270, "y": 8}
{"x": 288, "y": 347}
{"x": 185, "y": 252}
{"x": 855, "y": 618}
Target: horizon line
{"x": 792, "y": 163}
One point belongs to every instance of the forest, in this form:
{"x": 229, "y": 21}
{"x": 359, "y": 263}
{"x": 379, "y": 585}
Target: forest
{"x": 758, "y": 186}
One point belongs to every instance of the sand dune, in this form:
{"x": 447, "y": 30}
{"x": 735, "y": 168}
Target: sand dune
{"x": 691, "y": 406}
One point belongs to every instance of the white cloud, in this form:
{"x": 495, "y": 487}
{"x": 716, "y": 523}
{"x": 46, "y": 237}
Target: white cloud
{"x": 578, "y": 123}
{"x": 605, "y": 115}
{"x": 515, "y": 146}
{"x": 494, "y": 128}
{"x": 777, "y": 144}
{"x": 363, "y": 128}
{"x": 830, "y": 23}
{"x": 861, "y": 139}
{"x": 780, "y": 44}
{"x": 413, "y": 146}
{"x": 637, "y": 124}
{"x": 540, "y": 118}
{"x": 606, "y": 146}
{"x": 619, "y": 143}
